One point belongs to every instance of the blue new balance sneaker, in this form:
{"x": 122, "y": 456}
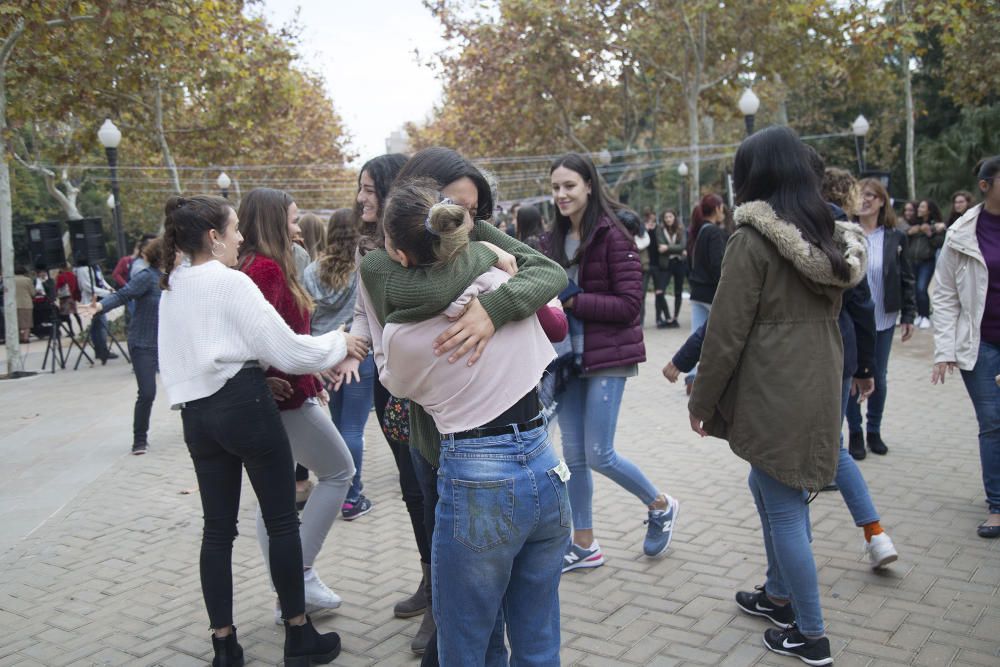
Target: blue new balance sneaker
{"x": 660, "y": 528}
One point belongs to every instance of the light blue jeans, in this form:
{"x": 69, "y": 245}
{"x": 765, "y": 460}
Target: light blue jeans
{"x": 849, "y": 480}
{"x": 502, "y": 528}
{"x": 981, "y": 384}
{"x": 699, "y": 315}
{"x": 588, "y": 416}
{"x": 349, "y": 408}
{"x": 791, "y": 570}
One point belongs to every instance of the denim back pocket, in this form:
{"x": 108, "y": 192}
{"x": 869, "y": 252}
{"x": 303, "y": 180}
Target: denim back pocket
{"x": 565, "y": 517}
{"x": 484, "y": 512}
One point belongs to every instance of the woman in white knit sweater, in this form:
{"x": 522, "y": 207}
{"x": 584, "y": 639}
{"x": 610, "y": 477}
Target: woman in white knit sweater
{"x": 217, "y": 333}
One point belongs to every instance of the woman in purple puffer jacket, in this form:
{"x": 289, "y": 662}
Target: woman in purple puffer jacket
{"x": 603, "y": 302}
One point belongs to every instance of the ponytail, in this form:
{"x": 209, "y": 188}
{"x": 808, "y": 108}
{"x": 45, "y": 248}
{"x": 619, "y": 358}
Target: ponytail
{"x": 184, "y": 226}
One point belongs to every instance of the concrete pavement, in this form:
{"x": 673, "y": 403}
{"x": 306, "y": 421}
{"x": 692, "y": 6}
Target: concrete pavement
{"x": 108, "y": 574}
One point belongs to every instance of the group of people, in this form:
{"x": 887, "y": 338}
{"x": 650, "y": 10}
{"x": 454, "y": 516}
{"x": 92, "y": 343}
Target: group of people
{"x": 275, "y": 336}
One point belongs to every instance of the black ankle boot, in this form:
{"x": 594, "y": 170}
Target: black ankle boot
{"x": 305, "y": 646}
{"x": 228, "y": 652}
{"x": 856, "y": 446}
{"x": 876, "y": 445}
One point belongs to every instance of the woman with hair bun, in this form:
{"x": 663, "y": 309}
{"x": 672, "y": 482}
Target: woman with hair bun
{"x": 503, "y": 515}
{"x": 217, "y": 333}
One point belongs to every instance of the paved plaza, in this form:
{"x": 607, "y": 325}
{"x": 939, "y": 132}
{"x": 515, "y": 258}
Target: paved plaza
{"x": 99, "y": 549}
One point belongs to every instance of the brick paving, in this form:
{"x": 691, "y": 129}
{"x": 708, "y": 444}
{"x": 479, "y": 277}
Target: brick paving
{"x": 111, "y": 578}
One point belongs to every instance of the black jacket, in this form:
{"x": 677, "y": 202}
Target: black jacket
{"x": 706, "y": 264}
{"x": 857, "y": 328}
{"x": 897, "y": 276}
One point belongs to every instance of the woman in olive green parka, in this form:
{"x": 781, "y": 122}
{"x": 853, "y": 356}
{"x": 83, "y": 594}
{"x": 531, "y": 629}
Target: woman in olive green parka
{"x": 769, "y": 379}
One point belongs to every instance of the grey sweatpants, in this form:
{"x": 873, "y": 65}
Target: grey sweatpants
{"x": 317, "y": 445}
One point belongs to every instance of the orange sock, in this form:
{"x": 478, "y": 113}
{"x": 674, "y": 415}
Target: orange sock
{"x": 872, "y": 529}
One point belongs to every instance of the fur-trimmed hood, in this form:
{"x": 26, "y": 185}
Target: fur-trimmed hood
{"x": 808, "y": 259}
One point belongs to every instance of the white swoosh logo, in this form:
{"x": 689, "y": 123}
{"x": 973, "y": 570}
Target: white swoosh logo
{"x": 787, "y": 645}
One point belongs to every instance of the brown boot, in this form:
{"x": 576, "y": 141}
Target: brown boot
{"x": 427, "y": 627}
{"x": 416, "y": 603}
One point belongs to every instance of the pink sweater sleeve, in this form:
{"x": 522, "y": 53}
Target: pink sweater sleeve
{"x": 554, "y": 323}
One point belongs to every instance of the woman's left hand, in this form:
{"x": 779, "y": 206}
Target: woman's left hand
{"x": 506, "y": 262}
{"x": 907, "y": 330}
{"x": 323, "y": 397}
{"x": 89, "y": 309}
{"x": 471, "y": 332}
{"x": 696, "y": 425}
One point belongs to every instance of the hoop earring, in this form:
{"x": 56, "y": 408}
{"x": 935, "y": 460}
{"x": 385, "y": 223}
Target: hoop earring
{"x": 215, "y": 244}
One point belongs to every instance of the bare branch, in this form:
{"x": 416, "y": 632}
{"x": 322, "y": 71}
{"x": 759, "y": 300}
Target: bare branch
{"x": 10, "y": 41}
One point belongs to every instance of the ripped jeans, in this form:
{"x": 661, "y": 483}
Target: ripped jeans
{"x": 501, "y": 531}
{"x": 588, "y": 416}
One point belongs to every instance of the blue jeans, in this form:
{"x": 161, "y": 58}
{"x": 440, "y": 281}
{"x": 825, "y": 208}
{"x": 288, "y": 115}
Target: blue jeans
{"x": 699, "y": 315}
{"x": 502, "y": 530}
{"x": 791, "y": 570}
{"x": 349, "y": 408}
{"x": 851, "y": 483}
{"x": 144, "y": 363}
{"x": 588, "y": 416}
{"x": 99, "y": 335}
{"x": 876, "y": 402}
{"x": 924, "y": 272}
{"x": 981, "y": 384}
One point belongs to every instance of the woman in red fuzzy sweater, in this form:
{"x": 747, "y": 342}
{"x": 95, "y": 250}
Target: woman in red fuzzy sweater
{"x": 266, "y": 216}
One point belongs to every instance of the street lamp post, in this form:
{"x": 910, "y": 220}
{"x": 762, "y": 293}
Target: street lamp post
{"x": 749, "y": 104}
{"x": 223, "y": 181}
{"x": 682, "y": 171}
{"x": 860, "y": 128}
{"x": 110, "y": 136}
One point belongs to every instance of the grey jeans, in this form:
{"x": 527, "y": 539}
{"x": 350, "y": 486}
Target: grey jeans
{"x": 317, "y": 445}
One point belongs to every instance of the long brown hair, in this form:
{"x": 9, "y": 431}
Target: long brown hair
{"x": 886, "y": 216}
{"x": 263, "y": 218}
{"x": 336, "y": 263}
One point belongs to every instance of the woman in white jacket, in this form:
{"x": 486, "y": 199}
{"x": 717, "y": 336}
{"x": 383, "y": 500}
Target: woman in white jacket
{"x": 967, "y": 323}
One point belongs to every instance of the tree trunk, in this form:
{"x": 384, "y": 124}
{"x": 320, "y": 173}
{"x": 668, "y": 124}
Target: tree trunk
{"x": 14, "y": 360}
{"x": 911, "y": 175}
{"x": 694, "y": 187}
{"x": 168, "y": 159}
{"x": 782, "y": 114}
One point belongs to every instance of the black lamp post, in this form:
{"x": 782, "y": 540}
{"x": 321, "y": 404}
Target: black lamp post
{"x": 860, "y": 128}
{"x": 749, "y": 104}
{"x": 110, "y": 136}
{"x": 223, "y": 181}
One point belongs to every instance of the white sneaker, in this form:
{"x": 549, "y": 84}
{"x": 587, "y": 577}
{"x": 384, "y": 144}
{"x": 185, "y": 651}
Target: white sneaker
{"x": 923, "y": 323}
{"x": 318, "y": 594}
{"x": 880, "y": 551}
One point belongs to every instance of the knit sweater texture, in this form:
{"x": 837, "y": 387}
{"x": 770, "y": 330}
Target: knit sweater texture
{"x": 400, "y": 295}
{"x": 214, "y": 319}
{"x": 270, "y": 279}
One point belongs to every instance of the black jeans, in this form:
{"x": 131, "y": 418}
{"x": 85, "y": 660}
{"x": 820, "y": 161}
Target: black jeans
{"x": 236, "y": 427}
{"x": 413, "y": 496}
{"x": 676, "y": 269}
{"x": 99, "y": 335}
{"x": 145, "y": 365}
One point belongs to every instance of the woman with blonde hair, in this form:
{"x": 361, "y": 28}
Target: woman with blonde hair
{"x": 266, "y": 218}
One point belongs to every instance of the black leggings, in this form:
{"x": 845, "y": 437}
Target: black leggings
{"x": 413, "y": 496}
{"x": 236, "y": 427}
{"x": 677, "y": 269}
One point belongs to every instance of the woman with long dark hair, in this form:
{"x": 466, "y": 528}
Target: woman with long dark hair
{"x": 604, "y": 298}
{"x": 961, "y": 202}
{"x": 672, "y": 240}
{"x": 770, "y": 376}
{"x": 530, "y": 229}
{"x": 216, "y": 333}
{"x": 891, "y": 282}
{"x": 266, "y": 257}
{"x": 967, "y": 324}
{"x": 925, "y": 237}
{"x": 536, "y": 280}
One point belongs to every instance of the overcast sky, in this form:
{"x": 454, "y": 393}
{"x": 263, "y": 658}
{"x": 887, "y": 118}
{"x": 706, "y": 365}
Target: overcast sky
{"x": 365, "y": 51}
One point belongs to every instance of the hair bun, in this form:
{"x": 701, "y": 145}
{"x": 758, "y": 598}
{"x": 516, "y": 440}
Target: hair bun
{"x": 174, "y": 202}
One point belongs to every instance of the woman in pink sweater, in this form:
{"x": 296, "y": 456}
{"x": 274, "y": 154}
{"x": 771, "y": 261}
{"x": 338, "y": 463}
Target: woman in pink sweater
{"x": 503, "y": 514}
